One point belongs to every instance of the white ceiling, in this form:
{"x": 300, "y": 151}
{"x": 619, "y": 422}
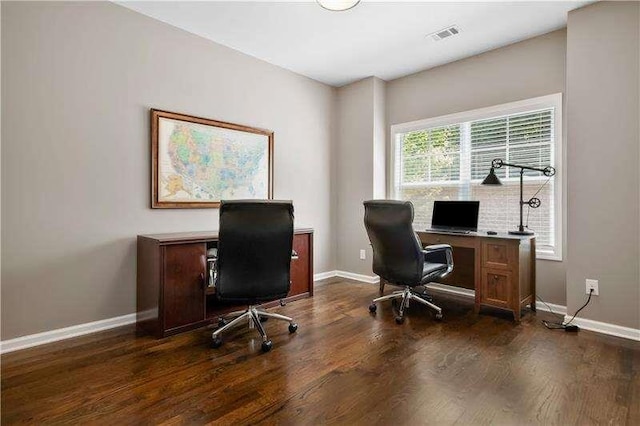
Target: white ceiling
{"x": 383, "y": 39}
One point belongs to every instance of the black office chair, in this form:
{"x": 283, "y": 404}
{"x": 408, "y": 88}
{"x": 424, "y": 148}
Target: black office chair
{"x": 398, "y": 256}
{"x": 253, "y": 261}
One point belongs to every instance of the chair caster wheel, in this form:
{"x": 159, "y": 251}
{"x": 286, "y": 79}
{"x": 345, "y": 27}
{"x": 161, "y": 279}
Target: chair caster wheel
{"x": 267, "y": 345}
{"x": 399, "y": 320}
{"x": 216, "y": 342}
{"x": 438, "y": 316}
{"x": 373, "y": 308}
{"x": 221, "y": 322}
{"x": 293, "y": 327}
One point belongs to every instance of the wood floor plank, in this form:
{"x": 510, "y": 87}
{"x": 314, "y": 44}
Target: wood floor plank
{"x": 343, "y": 366}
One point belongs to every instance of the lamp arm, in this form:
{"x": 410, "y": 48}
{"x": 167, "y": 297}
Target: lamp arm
{"x": 547, "y": 171}
{"x": 533, "y": 202}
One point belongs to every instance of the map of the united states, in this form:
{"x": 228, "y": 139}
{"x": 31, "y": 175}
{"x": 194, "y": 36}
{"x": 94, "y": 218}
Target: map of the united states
{"x": 203, "y": 163}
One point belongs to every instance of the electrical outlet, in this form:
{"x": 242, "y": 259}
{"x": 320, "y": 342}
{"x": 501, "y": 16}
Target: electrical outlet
{"x": 363, "y": 254}
{"x": 592, "y": 284}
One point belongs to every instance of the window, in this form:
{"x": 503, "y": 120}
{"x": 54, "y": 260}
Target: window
{"x": 447, "y": 158}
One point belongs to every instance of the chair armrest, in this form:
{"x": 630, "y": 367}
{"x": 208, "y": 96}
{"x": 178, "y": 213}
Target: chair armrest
{"x": 439, "y": 253}
{"x": 437, "y": 247}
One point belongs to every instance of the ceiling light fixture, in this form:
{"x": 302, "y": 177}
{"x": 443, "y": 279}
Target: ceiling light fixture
{"x": 338, "y": 5}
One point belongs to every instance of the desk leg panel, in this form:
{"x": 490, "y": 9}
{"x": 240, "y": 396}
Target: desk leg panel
{"x": 148, "y": 291}
{"x": 302, "y": 267}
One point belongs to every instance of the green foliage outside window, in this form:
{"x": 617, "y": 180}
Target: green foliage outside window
{"x": 431, "y": 155}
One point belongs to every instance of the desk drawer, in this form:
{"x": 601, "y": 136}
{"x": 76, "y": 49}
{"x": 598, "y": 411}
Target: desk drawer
{"x": 453, "y": 240}
{"x": 496, "y": 288}
{"x": 498, "y": 254}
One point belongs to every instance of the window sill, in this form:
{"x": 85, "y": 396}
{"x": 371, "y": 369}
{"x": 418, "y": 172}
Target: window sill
{"x": 548, "y": 255}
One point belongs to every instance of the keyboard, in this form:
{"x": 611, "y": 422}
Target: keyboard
{"x": 451, "y": 231}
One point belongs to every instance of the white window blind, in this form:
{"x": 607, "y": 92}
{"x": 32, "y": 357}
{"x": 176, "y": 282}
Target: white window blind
{"x": 448, "y": 162}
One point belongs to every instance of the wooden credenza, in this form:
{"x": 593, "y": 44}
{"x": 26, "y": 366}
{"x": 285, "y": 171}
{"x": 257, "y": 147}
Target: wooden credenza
{"x": 500, "y": 268}
{"x": 172, "y": 291}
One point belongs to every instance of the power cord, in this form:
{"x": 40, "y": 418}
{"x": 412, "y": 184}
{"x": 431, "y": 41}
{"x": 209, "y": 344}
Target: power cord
{"x": 566, "y": 326}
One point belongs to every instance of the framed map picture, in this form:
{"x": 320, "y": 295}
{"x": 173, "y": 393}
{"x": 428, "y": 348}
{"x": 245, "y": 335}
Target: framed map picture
{"x": 196, "y": 162}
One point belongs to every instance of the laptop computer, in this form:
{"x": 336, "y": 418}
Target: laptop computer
{"x": 460, "y": 217}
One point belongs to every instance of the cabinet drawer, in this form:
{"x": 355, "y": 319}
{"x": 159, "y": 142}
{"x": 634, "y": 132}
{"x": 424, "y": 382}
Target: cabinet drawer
{"x": 497, "y": 255}
{"x": 496, "y": 288}
{"x": 300, "y": 266}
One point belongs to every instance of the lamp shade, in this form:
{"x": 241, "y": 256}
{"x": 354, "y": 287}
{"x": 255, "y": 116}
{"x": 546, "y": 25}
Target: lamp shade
{"x": 338, "y": 5}
{"x": 491, "y": 178}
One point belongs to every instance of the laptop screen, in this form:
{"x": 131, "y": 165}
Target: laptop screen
{"x": 455, "y": 215}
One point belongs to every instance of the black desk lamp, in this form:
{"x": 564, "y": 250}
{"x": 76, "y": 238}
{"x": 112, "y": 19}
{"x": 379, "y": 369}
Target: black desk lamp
{"x": 533, "y": 202}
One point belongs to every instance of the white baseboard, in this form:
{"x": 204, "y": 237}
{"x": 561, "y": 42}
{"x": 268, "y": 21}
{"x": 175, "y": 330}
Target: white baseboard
{"x": 370, "y": 279}
{"x": 324, "y": 275}
{"x": 553, "y": 308}
{"x": 606, "y": 328}
{"x": 65, "y": 333}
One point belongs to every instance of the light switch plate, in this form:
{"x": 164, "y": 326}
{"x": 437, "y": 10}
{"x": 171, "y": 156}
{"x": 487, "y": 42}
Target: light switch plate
{"x": 363, "y": 254}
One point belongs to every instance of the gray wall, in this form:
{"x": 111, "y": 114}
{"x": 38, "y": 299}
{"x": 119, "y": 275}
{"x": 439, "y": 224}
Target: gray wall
{"x": 602, "y": 155}
{"x": 353, "y": 155}
{"x": 379, "y": 138}
{"x": 531, "y": 68}
{"x": 359, "y": 153}
{"x": 78, "y": 80}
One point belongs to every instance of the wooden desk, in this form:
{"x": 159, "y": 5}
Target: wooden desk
{"x": 172, "y": 295}
{"x": 500, "y": 268}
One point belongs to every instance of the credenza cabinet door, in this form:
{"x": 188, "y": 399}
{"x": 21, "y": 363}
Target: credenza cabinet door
{"x": 300, "y": 267}
{"x": 183, "y": 284}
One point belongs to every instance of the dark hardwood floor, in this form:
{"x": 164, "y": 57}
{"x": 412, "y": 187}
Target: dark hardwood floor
{"x": 343, "y": 366}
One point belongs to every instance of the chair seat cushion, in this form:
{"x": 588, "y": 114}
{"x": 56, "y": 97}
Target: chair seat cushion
{"x": 430, "y": 269}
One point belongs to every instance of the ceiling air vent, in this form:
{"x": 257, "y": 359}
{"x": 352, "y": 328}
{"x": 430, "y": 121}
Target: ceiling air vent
{"x": 444, "y": 33}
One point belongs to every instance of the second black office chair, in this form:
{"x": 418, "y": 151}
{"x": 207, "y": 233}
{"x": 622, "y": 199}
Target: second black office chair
{"x": 253, "y": 261}
{"x": 398, "y": 256}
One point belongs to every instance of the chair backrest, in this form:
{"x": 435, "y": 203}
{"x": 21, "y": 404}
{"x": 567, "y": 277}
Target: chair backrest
{"x": 254, "y": 250}
{"x": 397, "y": 253}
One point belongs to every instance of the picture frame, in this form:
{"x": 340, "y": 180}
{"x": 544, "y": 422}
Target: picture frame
{"x": 197, "y": 162}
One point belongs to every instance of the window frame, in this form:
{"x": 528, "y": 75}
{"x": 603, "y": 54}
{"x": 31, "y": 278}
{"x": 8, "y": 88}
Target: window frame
{"x": 543, "y": 102}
